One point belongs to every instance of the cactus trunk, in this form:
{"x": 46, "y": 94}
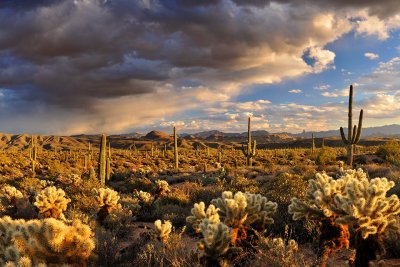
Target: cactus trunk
{"x": 102, "y": 159}
{"x": 353, "y": 132}
{"x": 251, "y": 149}
{"x": 176, "y": 150}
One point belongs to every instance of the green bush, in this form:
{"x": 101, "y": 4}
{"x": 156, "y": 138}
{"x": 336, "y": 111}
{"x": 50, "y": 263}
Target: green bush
{"x": 390, "y": 151}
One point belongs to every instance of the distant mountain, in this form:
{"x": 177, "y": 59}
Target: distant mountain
{"x": 22, "y": 141}
{"x": 132, "y": 135}
{"x": 157, "y": 135}
{"x": 392, "y": 130}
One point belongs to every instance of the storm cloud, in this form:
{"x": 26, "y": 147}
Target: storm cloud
{"x": 112, "y": 65}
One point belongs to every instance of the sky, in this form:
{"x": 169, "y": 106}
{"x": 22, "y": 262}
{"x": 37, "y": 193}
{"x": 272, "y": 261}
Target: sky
{"x": 120, "y": 66}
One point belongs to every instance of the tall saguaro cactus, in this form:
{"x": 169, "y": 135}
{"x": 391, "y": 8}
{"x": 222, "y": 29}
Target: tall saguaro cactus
{"x": 312, "y": 144}
{"x": 354, "y": 132}
{"x": 33, "y": 153}
{"x": 176, "y": 150}
{"x": 251, "y": 147}
{"x": 102, "y": 159}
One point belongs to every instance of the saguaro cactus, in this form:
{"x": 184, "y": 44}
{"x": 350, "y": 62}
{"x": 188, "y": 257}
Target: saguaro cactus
{"x": 312, "y": 144}
{"x": 176, "y": 150}
{"x": 251, "y": 149}
{"x": 102, "y": 159}
{"x": 354, "y": 133}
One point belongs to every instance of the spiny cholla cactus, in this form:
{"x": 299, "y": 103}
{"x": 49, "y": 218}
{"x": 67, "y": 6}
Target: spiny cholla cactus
{"x": 366, "y": 206}
{"x": 240, "y": 212}
{"x": 319, "y": 204}
{"x": 245, "y": 209}
{"x": 11, "y": 194}
{"x": 320, "y": 195}
{"x": 23, "y": 262}
{"x": 216, "y": 239}
{"x": 51, "y": 202}
{"x": 372, "y": 214}
{"x": 163, "y": 229}
{"x": 107, "y": 200}
{"x": 143, "y": 197}
{"x": 199, "y": 213}
{"x": 48, "y": 241}
{"x": 162, "y": 187}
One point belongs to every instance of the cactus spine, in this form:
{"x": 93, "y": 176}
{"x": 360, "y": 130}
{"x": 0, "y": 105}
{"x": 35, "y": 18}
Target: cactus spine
{"x": 354, "y": 133}
{"x": 102, "y": 159}
{"x": 176, "y": 150}
{"x": 251, "y": 149}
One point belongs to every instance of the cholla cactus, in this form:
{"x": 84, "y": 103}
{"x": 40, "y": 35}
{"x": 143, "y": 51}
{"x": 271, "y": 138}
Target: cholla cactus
{"x": 216, "y": 239}
{"x": 199, "y": 213}
{"x": 42, "y": 242}
{"x": 163, "y": 229}
{"x": 320, "y": 195}
{"x": 23, "y": 262}
{"x": 162, "y": 187}
{"x": 371, "y": 213}
{"x": 245, "y": 209}
{"x": 11, "y": 194}
{"x": 107, "y": 200}
{"x": 319, "y": 204}
{"x": 367, "y": 207}
{"x": 51, "y": 202}
{"x": 144, "y": 197}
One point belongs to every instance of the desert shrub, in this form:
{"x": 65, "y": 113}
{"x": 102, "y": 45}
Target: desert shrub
{"x": 83, "y": 197}
{"x": 174, "y": 213}
{"x": 141, "y": 183}
{"x": 390, "y": 151}
{"x": 325, "y": 156}
{"x": 242, "y": 184}
{"x": 278, "y": 253}
{"x": 175, "y": 197}
{"x": 282, "y": 189}
{"x": 107, "y": 247}
{"x": 172, "y": 252}
{"x": 205, "y": 194}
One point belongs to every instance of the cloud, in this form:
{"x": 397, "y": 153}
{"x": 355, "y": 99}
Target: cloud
{"x": 295, "y": 91}
{"x": 336, "y": 93}
{"x": 384, "y": 79}
{"x": 322, "y": 87}
{"x": 374, "y": 25}
{"x": 371, "y": 56}
{"x": 118, "y": 65}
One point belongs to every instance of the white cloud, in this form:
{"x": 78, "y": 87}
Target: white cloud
{"x": 371, "y": 56}
{"x": 295, "y": 91}
{"x": 322, "y": 87}
{"x": 324, "y": 58}
{"x": 336, "y": 93}
{"x": 384, "y": 79}
{"x": 367, "y": 24}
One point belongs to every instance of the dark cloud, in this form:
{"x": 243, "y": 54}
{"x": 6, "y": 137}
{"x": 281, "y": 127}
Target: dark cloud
{"x": 73, "y": 54}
